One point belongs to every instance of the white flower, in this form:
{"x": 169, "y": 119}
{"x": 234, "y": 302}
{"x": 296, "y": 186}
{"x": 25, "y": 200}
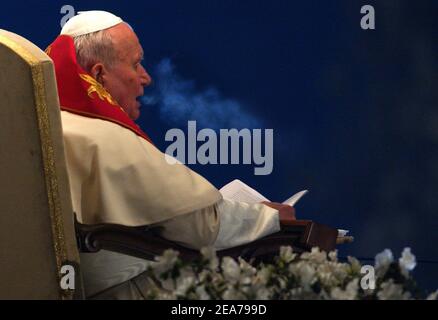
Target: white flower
{"x": 166, "y": 296}
{"x": 433, "y": 296}
{"x": 332, "y": 273}
{"x": 203, "y": 275}
{"x": 355, "y": 265}
{"x": 333, "y": 255}
{"x": 232, "y": 294}
{"x": 383, "y": 259}
{"x": 246, "y": 269}
{"x": 239, "y": 280}
{"x": 286, "y": 254}
{"x": 263, "y": 275}
{"x": 209, "y": 253}
{"x": 391, "y": 291}
{"x": 350, "y": 292}
{"x": 305, "y": 272}
{"x": 307, "y": 275}
{"x": 231, "y": 269}
{"x": 263, "y": 294}
{"x": 246, "y": 280}
{"x": 407, "y": 262}
{"x": 165, "y": 262}
{"x": 296, "y": 293}
{"x": 183, "y": 284}
{"x": 202, "y": 293}
{"x": 315, "y": 255}
{"x": 282, "y": 283}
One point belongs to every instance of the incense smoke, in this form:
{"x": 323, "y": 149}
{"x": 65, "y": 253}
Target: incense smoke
{"x": 179, "y": 101}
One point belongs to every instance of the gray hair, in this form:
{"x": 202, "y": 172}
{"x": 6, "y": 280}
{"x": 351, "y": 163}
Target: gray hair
{"x": 95, "y": 47}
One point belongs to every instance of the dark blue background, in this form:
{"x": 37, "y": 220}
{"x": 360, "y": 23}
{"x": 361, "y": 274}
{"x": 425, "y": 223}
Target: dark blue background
{"x": 354, "y": 112}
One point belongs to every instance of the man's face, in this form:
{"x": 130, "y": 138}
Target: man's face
{"x": 125, "y": 79}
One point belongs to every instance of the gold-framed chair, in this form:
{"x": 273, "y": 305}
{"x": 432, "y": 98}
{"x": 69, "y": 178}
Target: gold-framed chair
{"x": 37, "y": 235}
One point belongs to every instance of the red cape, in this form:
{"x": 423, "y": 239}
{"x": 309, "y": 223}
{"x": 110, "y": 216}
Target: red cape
{"x": 80, "y": 93}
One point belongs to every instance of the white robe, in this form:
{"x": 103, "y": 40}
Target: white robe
{"x": 118, "y": 177}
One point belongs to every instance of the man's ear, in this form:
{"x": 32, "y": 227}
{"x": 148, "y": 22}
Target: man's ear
{"x": 97, "y": 71}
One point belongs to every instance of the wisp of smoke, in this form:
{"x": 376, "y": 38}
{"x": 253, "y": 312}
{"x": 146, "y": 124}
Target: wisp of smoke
{"x": 179, "y": 101}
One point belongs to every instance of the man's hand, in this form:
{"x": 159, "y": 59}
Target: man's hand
{"x": 287, "y": 213}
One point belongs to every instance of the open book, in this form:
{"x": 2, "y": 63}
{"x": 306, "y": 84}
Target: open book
{"x": 239, "y": 191}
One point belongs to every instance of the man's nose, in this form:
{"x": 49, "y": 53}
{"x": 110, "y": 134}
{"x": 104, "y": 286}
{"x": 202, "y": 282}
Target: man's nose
{"x": 145, "y": 78}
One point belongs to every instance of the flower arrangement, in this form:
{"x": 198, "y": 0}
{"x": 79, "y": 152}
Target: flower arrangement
{"x": 311, "y": 275}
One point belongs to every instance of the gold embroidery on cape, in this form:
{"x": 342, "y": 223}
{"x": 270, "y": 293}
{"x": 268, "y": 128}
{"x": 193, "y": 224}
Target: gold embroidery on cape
{"x": 97, "y": 87}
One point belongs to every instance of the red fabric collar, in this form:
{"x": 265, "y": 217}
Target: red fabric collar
{"x": 80, "y": 93}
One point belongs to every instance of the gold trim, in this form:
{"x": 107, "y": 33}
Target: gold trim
{"x": 48, "y": 156}
{"x": 98, "y": 88}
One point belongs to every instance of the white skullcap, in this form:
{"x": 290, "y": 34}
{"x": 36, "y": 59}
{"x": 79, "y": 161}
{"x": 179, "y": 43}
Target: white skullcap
{"x": 89, "y": 21}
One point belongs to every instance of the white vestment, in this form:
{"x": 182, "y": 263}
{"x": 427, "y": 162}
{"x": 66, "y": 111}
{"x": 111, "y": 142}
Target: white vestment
{"x": 118, "y": 177}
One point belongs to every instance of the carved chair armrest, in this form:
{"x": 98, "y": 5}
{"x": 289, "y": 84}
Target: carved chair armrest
{"x": 301, "y": 235}
{"x": 145, "y": 243}
{"x": 141, "y": 242}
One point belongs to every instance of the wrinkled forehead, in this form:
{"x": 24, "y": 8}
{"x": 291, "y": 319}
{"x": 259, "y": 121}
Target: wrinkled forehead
{"x": 130, "y": 50}
{"x": 126, "y": 42}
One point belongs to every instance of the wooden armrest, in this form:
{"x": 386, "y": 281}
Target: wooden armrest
{"x": 301, "y": 235}
{"x": 145, "y": 243}
{"x": 141, "y": 242}
{"x": 312, "y": 234}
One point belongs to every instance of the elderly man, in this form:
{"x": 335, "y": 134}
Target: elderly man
{"x": 116, "y": 174}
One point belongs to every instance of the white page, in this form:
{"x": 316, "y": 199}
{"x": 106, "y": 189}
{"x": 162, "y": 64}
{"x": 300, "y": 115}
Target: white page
{"x": 239, "y": 191}
{"x": 294, "y": 199}
{"x": 342, "y": 232}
